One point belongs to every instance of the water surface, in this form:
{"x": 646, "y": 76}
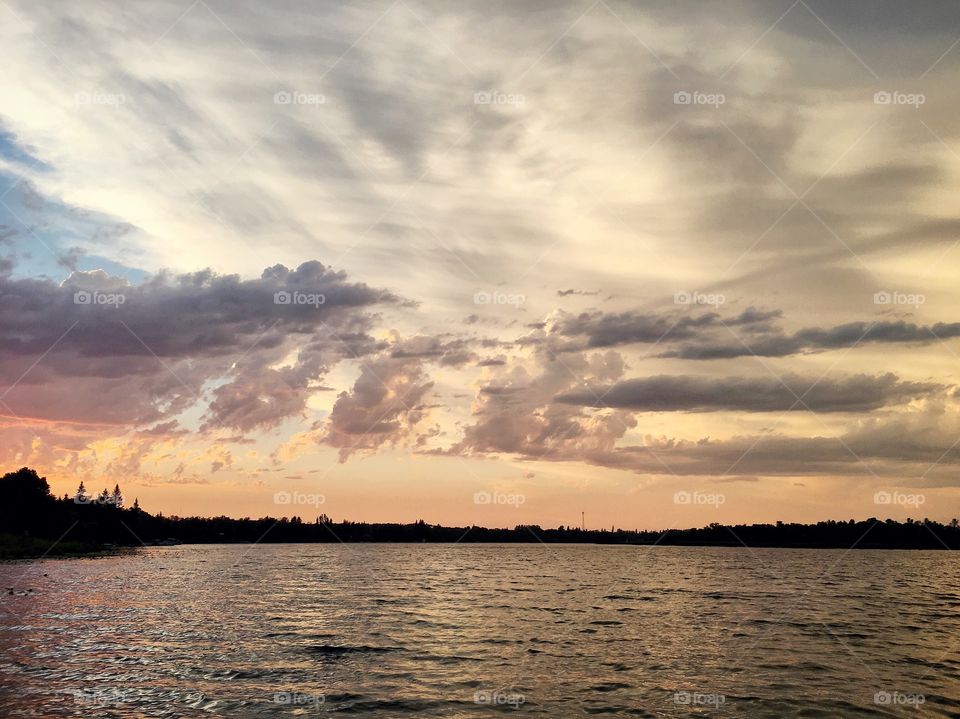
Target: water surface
{"x": 394, "y": 630}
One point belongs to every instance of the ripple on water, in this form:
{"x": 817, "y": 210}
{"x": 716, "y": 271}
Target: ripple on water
{"x": 431, "y": 630}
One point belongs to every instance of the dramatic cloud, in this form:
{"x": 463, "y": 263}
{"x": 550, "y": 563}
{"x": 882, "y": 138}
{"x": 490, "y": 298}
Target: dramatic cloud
{"x": 852, "y": 334}
{"x": 135, "y": 354}
{"x": 712, "y": 335}
{"x": 770, "y": 394}
{"x": 593, "y": 235}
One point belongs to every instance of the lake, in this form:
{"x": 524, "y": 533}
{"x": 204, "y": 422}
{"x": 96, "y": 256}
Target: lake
{"x": 472, "y": 630}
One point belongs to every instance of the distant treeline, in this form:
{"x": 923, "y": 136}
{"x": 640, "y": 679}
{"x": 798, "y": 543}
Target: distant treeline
{"x": 34, "y": 523}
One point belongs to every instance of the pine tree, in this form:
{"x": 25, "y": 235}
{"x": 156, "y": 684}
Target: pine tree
{"x": 117, "y": 498}
{"x": 103, "y": 497}
{"x": 81, "y": 497}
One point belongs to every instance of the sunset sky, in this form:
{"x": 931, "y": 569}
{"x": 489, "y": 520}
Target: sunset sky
{"x": 581, "y": 257}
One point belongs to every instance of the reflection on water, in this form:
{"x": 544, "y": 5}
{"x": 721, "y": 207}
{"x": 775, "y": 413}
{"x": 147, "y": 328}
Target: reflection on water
{"x": 478, "y": 630}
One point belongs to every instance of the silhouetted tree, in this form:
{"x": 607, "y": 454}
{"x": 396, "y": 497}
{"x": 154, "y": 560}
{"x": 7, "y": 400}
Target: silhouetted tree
{"x": 34, "y": 522}
{"x": 25, "y": 501}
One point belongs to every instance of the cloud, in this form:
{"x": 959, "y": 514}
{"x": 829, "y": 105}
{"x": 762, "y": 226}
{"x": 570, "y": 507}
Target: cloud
{"x": 401, "y": 177}
{"x": 92, "y": 281}
{"x": 515, "y": 412}
{"x": 916, "y": 447}
{"x": 535, "y": 411}
{"x": 596, "y": 329}
{"x": 711, "y": 335}
{"x": 777, "y": 344}
{"x": 383, "y": 407}
{"x": 450, "y": 353}
{"x": 71, "y": 258}
{"x": 686, "y": 393}
{"x": 98, "y": 349}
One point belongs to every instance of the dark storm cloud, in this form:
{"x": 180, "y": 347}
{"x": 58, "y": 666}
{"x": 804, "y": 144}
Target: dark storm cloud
{"x": 115, "y": 352}
{"x": 710, "y": 335}
{"x": 860, "y": 393}
{"x": 814, "y": 339}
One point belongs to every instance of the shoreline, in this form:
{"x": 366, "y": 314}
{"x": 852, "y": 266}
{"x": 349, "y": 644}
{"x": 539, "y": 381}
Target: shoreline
{"x": 106, "y": 552}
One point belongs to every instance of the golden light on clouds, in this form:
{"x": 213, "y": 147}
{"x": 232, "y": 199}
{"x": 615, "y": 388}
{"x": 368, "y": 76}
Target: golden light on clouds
{"x": 399, "y": 265}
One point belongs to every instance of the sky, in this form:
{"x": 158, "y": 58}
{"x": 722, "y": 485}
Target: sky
{"x": 636, "y": 264}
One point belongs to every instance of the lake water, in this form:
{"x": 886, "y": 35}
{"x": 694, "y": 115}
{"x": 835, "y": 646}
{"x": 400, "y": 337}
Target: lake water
{"x": 466, "y": 630}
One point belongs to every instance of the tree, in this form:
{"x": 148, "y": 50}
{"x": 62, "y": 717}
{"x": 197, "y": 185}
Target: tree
{"x": 24, "y": 486}
{"x": 81, "y": 497}
{"x": 103, "y": 497}
{"x": 25, "y": 500}
{"x": 116, "y": 498}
